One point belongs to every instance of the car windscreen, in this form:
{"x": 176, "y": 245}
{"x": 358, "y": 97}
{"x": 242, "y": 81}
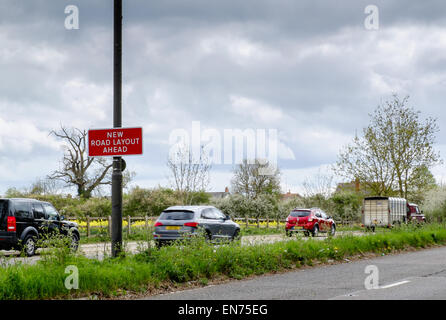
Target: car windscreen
{"x": 300, "y": 213}
{"x": 177, "y": 215}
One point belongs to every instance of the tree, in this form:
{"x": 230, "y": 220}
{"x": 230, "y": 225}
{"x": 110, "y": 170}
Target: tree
{"x": 347, "y": 205}
{"x": 319, "y": 184}
{"x": 249, "y": 181}
{"x": 237, "y": 205}
{"x": 87, "y": 174}
{"x": 395, "y": 152}
{"x": 189, "y": 176}
{"x": 423, "y": 181}
{"x": 44, "y": 187}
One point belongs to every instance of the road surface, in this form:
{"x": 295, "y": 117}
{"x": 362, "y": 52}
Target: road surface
{"x": 415, "y": 275}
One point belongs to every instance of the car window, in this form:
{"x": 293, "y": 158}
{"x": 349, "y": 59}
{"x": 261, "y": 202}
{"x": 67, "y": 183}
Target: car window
{"x": 22, "y": 209}
{"x": 208, "y": 214}
{"x": 218, "y": 214}
{"x": 3, "y": 208}
{"x": 300, "y": 213}
{"x": 318, "y": 214}
{"x": 324, "y": 215}
{"x": 51, "y": 213}
{"x": 38, "y": 211}
{"x": 177, "y": 215}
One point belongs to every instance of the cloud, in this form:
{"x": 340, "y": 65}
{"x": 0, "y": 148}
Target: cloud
{"x": 306, "y": 68}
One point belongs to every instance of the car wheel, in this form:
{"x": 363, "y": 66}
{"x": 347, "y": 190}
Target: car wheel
{"x": 29, "y": 245}
{"x": 208, "y": 236}
{"x": 74, "y": 245}
{"x": 315, "y": 231}
{"x": 236, "y": 235}
{"x": 332, "y": 230}
{"x": 288, "y": 233}
{"x": 306, "y": 233}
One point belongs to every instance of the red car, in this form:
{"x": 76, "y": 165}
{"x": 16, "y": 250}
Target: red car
{"x": 308, "y": 221}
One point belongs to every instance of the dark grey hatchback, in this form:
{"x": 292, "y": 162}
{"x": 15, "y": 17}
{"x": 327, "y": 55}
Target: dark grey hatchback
{"x": 182, "y": 222}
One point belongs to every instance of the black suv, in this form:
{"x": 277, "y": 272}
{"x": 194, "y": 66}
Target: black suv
{"x": 24, "y": 221}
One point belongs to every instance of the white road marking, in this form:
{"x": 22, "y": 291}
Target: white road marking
{"x": 358, "y": 293}
{"x": 394, "y": 284}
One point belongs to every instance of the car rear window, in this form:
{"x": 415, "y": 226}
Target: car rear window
{"x": 3, "y": 208}
{"x": 300, "y": 213}
{"x": 177, "y": 215}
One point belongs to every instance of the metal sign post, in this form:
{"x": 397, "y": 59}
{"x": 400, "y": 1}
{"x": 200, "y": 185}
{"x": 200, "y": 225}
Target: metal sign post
{"x": 116, "y": 227}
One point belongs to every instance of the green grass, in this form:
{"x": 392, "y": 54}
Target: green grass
{"x": 260, "y": 231}
{"x": 198, "y": 261}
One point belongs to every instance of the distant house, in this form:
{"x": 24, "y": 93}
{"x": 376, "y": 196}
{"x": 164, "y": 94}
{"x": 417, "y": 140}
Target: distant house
{"x": 219, "y": 195}
{"x": 289, "y": 195}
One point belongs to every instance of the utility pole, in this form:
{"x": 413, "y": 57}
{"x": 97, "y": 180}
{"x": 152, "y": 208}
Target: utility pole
{"x": 116, "y": 227}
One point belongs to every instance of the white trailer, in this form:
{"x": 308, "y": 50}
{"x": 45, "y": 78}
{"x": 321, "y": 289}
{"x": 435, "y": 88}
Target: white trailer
{"x": 383, "y": 211}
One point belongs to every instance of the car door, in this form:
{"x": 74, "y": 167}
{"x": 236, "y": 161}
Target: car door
{"x": 319, "y": 219}
{"x": 324, "y": 221}
{"x": 39, "y": 221}
{"x": 211, "y": 222}
{"x": 226, "y": 226}
{"x": 52, "y": 219}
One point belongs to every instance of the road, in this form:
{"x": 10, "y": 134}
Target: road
{"x": 415, "y": 275}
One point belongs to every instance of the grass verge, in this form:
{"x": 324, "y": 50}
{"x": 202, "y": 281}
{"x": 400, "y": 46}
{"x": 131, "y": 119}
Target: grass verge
{"x": 196, "y": 261}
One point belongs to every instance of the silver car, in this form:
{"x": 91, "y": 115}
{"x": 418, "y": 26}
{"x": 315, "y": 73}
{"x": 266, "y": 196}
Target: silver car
{"x": 182, "y": 222}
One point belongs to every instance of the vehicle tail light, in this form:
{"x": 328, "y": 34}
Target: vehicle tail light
{"x": 11, "y": 224}
{"x": 191, "y": 224}
{"x": 158, "y": 224}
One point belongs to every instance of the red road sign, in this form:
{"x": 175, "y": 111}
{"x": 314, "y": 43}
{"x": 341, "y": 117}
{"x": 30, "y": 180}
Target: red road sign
{"x": 114, "y": 142}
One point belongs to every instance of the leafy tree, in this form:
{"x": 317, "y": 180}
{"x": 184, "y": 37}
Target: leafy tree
{"x": 237, "y": 205}
{"x": 347, "y": 205}
{"x": 395, "y": 153}
{"x": 423, "y": 182}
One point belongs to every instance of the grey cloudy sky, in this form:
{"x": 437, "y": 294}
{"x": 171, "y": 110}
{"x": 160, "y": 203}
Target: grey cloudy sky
{"x": 309, "y": 69}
